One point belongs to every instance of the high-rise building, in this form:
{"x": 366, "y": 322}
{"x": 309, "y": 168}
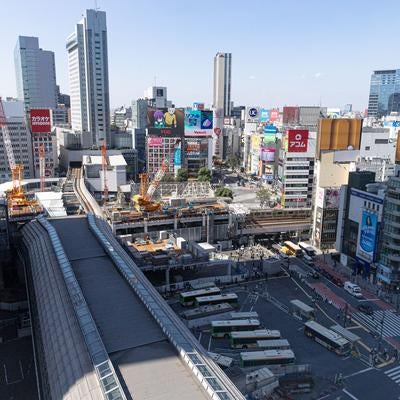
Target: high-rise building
{"x": 88, "y": 77}
{"x": 222, "y": 82}
{"x": 20, "y": 137}
{"x": 35, "y": 73}
{"x": 156, "y": 96}
{"x": 384, "y": 93}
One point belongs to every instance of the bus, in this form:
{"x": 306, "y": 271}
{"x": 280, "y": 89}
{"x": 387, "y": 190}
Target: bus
{"x": 244, "y": 315}
{"x": 266, "y": 357}
{"x": 222, "y": 361}
{"x": 224, "y": 328}
{"x": 201, "y": 285}
{"x": 327, "y": 338}
{"x": 294, "y": 250}
{"x": 230, "y": 298}
{"x": 302, "y": 310}
{"x": 246, "y": 339}
{"x": 278, "y": 344}
{"x": 307, "y": 248}
{"x": 188, "y": 298}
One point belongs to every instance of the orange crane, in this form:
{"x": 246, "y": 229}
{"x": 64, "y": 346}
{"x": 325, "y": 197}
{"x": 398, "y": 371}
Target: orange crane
{"x": 16, "y": 198}
{"x": 104, "y": 167}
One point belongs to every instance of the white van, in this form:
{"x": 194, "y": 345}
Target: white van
{"x": 353, "y": 289}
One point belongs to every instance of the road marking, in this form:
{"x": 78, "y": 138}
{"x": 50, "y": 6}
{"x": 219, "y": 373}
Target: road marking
{"x": 209, "y": 343}
{"x": 5, "y": 373}
{"x": 349, "y": 394}
{"x": 255, "y": 301}
{"x": 22, "y": 371}
{"x": 358, "y": 372}
{"x": 200, "y": 337}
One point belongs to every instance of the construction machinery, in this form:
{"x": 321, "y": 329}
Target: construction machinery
{"x": 143, "y": 201}
{"x": 17, "y": 202}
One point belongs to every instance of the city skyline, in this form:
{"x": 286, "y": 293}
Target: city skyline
{"x": 277, "y": 60}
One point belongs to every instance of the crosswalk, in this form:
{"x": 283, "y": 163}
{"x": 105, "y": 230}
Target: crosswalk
{"x": 394, "y": 374}
{"x": 391, "y": 322}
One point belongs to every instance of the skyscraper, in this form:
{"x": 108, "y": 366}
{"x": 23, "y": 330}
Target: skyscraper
{"x": 384, "y": 93}
{"x": 35, "y": 74}
{"x": 88, "y": 77}
{"x": 222, "y": 82}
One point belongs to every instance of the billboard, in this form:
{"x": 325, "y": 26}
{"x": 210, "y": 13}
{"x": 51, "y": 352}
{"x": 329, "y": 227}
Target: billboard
{"x": 40, "y": 120}
{"x": 328, "y": 198}
{"x": 252, "y": 114}
{"x": 333, "y": 112}
{"x": 198, "y": 122}
{"x": 165, "y": 121}
{"x": 367, "y": 236}
{"x": 198, "y": 106}
{"x": 274, "y": 115}
{"x": 264, "y": 115}
{"x": 297, "y": 140}
{"x": 154, "y": 141}
{"x": 268, "y": 154}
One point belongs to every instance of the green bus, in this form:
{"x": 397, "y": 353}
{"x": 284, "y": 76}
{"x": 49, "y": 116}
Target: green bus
{"x": 230, "y": 298}
{"x": 221, "y": 329}
{"x": 188, "y": 298}
{"x": 266, "y": 357}
{"x": 246, "y": 339}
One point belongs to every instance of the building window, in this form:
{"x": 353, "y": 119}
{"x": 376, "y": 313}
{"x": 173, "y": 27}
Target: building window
{"x": 367, "y": 148}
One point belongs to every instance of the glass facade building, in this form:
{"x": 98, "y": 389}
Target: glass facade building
{"x": 384, "y": 94}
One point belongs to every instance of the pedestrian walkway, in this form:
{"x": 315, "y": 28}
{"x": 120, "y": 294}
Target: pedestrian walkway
{"x": 394, "y": 374}
{"x": 391, "y": 322}
{"x": 328, "y": 294}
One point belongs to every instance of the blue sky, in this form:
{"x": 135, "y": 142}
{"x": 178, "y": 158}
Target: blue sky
{"x": 284, "y": 52}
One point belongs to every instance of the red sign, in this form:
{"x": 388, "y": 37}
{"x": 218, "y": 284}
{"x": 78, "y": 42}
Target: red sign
{"x": 40, "y": 120}
{"x": 297, "y": 140}
{"x": 217, "y": 131}
{"x": 155, "y": 141}
{"x": 274, "y": 115}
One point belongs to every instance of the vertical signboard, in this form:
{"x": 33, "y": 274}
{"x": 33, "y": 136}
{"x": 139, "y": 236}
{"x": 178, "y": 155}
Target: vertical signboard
{"x": 40, "y": 120}
{"x": 297, "y": 140}
{"x": 274, "y": 115}
{"x": 367, "y": 236}
{"x": 264, "y": 115}
{"x": 252, "y": 114}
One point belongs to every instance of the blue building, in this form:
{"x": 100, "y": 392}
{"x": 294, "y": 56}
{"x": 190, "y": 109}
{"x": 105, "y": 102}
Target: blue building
{"x": 384, "y": 94}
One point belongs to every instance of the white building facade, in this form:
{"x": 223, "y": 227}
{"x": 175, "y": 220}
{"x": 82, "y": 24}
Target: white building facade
{"x": 88, "y": 77}
{"x": 222, "y": 82}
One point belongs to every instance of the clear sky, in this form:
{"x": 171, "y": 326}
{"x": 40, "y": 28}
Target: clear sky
{"x": 283, "y": 52}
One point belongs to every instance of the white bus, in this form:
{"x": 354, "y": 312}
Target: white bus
{"x": 230, "y": 298}
{"x": 353, "y": 289}
{"x": 247, "y": 339}
{"x": 327, "y": 338}
{"x": 301, "y": 309}
{"x": 278, "y": 344}
{"x": 266, "y": 357}
{"x": 294, "y": 250}
{"x": 188, "y": 298}
{"x": 244, "y": 315}
{"x": 223, "y": 361}
{"x": 307, "y": 248}
{"x": 224, "y": 328}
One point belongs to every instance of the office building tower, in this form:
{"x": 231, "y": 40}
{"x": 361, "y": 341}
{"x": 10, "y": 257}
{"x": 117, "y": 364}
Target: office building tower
{"x": 384, "y": 93}
{"x": 63, "y": 98}
{"x": 156, "y": 96}
{"x": 309, "y": 116}
{"x": 35, "y": 73}
{"x": 88, "y": 77}
{"x": 21, "y": 140}
{"x": 222, "y": 82}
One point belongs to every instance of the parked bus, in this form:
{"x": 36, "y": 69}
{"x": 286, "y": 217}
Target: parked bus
{"x": 224, "y": 328}
{"x": 244, "y": 315}
{"x": 266, "y": 357}
{"x": 246, "y": 339}
{"x": 202, "y": 285}
{"x": 188, "y": 298}
{"x": 307, "y": 248}
{"x": 230, "y": 298}
{"x": 278, "y": 344}
{"x": 302, "y": 310}
{"x": 327, "y": 338}
{"x": 222, "y": 361}
{"x": 294, "y": 250}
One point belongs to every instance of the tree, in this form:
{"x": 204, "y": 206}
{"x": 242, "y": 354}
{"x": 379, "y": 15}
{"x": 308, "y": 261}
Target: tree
{"x": 168, "y": 178}
{"x": 224, "y": 192}
{"x": 204, "y": 175}
{"x": 263, "y": 196}
{"x": 234, "y": 162}
{"x": 182, "y": 175}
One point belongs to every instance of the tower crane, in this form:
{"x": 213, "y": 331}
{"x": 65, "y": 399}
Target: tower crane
{"x": 16, "y": 198}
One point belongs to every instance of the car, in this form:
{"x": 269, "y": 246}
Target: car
{"x": 365, "y": 308}
{"x": 314, "y": 275}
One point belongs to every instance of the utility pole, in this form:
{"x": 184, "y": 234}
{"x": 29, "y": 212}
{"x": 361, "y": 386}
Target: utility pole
{"x": 381, "y": 333}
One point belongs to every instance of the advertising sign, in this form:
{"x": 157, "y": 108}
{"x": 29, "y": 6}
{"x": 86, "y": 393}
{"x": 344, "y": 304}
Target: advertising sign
{"x": 165, "y": 121}
{"x": 198, "y": 122}
{"x": 177, "y": 158}
{"x": 274, "y": 115}
{"x": 319, "y": 200}
{"x": 198, "y": 106}
{"x": 332, "y": 198}
{"x": 333, "y": 112}
{"x": 154, "y": 141}
{"x": 367, "y": 236}
{"x": 297, "y": 140}
{"x": 264, "y": 115}
{"x": 40, "y": 120}
{"x": 252, "y": 114}
{"x": 268, "y": 154}
{"x": 269, "y": 129}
